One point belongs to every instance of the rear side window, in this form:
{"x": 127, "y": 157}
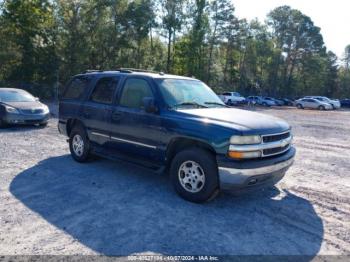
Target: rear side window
{"x": 76, "y": 88}
{"x": 104, "y": 90}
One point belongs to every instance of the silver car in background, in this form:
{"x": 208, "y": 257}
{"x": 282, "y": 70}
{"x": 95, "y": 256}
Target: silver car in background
{"x": 312, "y": 103}
{"x": 19, "y": 107}
{"x": 335, "y": 103}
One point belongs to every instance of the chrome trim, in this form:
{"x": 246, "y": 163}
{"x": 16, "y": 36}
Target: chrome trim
{"x": 261, "y": 146}
{"x": 280, "y": 152}
{"x": 276, "y": 134}
{"x": 99, "y": 134}
{"x": 256, "y": 171}
{"x": 133, "y": 142}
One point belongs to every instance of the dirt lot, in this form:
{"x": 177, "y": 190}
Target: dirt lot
{"x": 50, "y": 204}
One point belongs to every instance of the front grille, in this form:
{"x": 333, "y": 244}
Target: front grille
{"x": 275, "y": 138}
{"x": 275, "y": 151}
{"x": 32, "y": 111}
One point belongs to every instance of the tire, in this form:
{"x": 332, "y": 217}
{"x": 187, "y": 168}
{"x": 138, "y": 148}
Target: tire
{"x": 321, "y": 108}
{"x": 333, "y": 107}
{"x": 79, "y": 144}
{"x": 43, "y": 124}
{"x": 229, "y": 102}
{"x": 204, "y": 171}
{"x": 299, "y": 106}
{"x": 264, "y": 104}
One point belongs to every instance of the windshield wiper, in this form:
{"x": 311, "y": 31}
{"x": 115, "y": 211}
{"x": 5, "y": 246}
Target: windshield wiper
{"x": 215, "y": 103}
{"x": 190, "y": 104}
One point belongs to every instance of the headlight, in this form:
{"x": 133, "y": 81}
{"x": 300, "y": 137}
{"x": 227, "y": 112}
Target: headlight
{"x": 12, "y": 110}
{"x": 245, "y": 140}
{"x": 46, "y": 109}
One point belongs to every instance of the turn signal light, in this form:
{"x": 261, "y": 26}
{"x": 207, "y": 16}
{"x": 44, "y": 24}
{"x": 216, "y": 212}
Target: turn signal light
{"x": 244, "y": 155}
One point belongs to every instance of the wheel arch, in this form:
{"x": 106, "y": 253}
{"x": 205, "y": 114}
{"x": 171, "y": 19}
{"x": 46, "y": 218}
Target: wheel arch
{"x": 179, "y": 144}
{"x": 72, "y": 122}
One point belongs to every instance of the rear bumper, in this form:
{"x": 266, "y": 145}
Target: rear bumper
{"x": 26, "y": 119}
{"x": 235, "y": 176}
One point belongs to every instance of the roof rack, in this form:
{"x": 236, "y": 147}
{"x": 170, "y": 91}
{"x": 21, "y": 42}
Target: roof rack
{"x": 124, "y": 70}
{"x": 92, "y": 71}
{"x": 130, "y": 70}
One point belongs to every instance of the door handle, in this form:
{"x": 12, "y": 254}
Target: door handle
{"x": 116, "y": 116}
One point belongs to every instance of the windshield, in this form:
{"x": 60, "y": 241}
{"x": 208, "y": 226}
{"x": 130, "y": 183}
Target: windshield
{"x": 188, "y": 93}
{"x": 15, "y": 96}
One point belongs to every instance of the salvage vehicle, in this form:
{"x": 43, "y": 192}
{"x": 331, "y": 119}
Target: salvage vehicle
{"x": 313, "y": 104}
{"x": 176, "y": 125}
{"x": 345, "y": 103}
{"x": 333, "y": 102}
{"x": 277, "y": 101}
{"x": 17, "y": 106}
{"x": 261, "y": 101}
{"x": 232, "y": 98}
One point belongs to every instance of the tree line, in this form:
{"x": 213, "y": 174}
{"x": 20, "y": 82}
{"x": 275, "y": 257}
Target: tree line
{"x": 44, "y": 42}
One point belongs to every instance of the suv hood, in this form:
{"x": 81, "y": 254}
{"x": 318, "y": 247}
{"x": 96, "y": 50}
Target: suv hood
{"x": 244, "y": 121}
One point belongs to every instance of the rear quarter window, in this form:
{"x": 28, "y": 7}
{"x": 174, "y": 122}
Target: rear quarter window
{"x": 76, "y": 88}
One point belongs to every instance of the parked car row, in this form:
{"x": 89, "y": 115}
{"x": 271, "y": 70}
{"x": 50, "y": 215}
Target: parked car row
{"x": 234, "y": 98}
{"x": 315, "y": 102}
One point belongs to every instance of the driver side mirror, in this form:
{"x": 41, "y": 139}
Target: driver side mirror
{"x": 149, "y": 105}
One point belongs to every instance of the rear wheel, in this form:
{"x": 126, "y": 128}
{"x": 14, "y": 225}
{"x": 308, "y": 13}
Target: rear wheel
{"x": 299, "y": 106}
{"x": 79, "y": 144}
{"x": 194, "y": 175}
{"x": 321, "y": 108}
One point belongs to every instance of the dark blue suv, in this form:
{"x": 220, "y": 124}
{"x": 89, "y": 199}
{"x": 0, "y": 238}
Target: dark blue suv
{"x": 176, "y": 125}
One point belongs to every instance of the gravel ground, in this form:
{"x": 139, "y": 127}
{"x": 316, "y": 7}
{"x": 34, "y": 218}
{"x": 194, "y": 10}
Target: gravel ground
{"x": 50, "y": 204}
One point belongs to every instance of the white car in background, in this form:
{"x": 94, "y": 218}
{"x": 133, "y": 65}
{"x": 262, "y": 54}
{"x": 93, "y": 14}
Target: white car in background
{"x": 335, "y": 103}
{"x": 308, "y": 102}
{"x": 232, "y": 98}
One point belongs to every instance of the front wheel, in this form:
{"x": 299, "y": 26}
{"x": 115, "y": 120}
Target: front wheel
{"x": 79, "y": 144}
{"x": 299, "y": 106}
{"x": 321, "y": 108}
{"x": 194, "y": 175}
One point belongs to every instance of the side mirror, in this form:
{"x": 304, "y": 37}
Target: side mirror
{"x": 149, "y": 105}
{"x": 36, "y": 98}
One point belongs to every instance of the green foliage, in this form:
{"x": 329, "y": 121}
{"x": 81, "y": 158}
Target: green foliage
{"x": 45, "y": 42}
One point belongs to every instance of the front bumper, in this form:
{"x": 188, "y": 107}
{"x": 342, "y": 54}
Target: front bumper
{"x": 239, "y": 176}
{"x": 26, "y": 119}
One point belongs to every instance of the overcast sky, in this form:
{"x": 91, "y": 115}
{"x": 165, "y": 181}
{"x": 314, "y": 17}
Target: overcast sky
{"x": 332, "y": 16}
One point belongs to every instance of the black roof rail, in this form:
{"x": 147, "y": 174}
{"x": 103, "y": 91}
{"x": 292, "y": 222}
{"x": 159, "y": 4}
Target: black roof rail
{"x": 92, "y": 71}
{"x": 130, "y": 70}
{"x": 124, "y": 70}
